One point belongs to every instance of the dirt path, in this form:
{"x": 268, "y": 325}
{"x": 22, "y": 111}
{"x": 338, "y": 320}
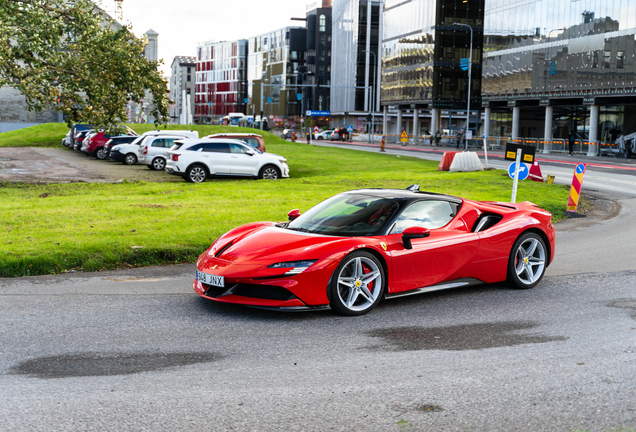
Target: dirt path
{"x": 61, "y": 165}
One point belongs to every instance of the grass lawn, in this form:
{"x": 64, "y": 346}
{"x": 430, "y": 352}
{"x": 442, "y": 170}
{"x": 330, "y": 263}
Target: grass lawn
{"x": 53, "y": 228}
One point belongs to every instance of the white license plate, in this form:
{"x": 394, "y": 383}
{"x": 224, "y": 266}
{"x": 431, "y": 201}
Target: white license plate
{"x": 210, "y": 279}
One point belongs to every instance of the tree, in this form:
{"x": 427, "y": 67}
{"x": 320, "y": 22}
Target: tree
{"x": 68, "y": 55}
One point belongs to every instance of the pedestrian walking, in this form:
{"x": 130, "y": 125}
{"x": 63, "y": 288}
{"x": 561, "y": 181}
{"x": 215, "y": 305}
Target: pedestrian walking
{"x": 458, "y": 137}
{"x": 571, "y": 140}
{"x": 438, "y": 138}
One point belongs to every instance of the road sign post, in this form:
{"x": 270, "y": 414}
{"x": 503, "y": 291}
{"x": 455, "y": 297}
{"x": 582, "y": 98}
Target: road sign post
{"x": 575, "y": 190}
{"x": 515, "y": 182}
{"x": 404, "y": 138}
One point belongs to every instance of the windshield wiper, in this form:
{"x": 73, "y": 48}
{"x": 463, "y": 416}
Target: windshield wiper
{"x": 299, "y": 229}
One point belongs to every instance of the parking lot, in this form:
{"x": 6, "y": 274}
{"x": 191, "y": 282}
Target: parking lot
{"x": 61, "y": 165}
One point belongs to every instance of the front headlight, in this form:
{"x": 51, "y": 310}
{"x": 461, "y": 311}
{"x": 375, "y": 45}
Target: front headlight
{"x": 283, "y": 161}
{"x": 296, "y": 267}
{"x": 116, "y": 148}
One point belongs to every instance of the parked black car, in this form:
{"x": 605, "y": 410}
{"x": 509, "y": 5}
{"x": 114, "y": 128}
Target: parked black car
{"x": 122, "y": 139}
{"x": 77, "y": 128}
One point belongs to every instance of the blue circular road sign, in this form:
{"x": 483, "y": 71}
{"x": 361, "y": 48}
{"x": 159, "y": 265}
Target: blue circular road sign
{"x": 580, "y": 168}
{"x": 523, "y": 171}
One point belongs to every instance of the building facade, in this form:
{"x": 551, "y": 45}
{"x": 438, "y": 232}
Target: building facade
{"x": 356, "y": 70}
{"x": 557, "y": 67}
{"x": 317, "y": 97}
{"x": 423, "y": 78}
{"x": 274, "y": 59}
{"x": 182, "y": 89}
{"x": 221, "y": 80}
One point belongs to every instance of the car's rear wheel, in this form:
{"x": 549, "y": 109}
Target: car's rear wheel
{"x": 196, "y": 174}
{"x": 527, "y": 262}
{"x": 158, "y": 164}
{"x": 357, "y": 284}
{"x": 320, "y": 138}
{"x": 130, "y": 159}
{"x": 100, "y": 153}
{"x": 269, "y": 172}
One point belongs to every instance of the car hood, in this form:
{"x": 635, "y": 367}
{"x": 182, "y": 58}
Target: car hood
{"x": 273, "y": 244}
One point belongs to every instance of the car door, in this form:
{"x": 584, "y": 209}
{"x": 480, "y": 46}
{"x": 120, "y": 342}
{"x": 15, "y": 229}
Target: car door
{"x": 155, "y": 148}
{"x": 437, "y": 258}
{"x": 243, "y": 163}
{"x": 217, "y": 158}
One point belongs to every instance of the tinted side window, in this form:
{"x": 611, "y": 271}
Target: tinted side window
{"x": 252, "y": 141}
{"x": 427, "y": 214}
{"x": 169, "y": 142}
{"x": 158, "y": 142}
{"x": 216, "y": 148}
{"x": 235, "y": 148}
{"x": 196, "y": 147}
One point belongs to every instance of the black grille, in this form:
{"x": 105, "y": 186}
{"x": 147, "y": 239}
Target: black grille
{"x": 265, "y": 292}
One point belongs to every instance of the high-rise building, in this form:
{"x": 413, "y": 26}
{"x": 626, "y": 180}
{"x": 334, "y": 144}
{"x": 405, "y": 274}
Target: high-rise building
{"x": 221, "y": 80}
{"x": 182, "y": 89}
{"x": 356, "y": 32}
{"x": 318, "y": 96}
{"x": 424, "y": 77}
{"x": 274, "y": 57}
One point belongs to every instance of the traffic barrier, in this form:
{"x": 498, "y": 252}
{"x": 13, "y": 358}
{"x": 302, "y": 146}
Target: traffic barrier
{"x": 466, "y": 162}
{"x": 535, "y": 172}
{"x": 447, "y": 160}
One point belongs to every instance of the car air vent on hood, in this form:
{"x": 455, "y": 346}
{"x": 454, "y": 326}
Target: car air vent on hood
{"x": 223, "y": 249}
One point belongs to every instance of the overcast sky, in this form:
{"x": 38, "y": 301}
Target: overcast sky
{"x": 183, "y": 23}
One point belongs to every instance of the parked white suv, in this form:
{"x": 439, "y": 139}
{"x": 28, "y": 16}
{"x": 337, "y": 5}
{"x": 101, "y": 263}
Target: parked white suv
{"x": 130, "y": 154}
{"x": 197, "y": 160}
{"x": 153, "y": 150}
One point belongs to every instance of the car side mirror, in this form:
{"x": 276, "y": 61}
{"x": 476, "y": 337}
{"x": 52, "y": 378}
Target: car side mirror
{"x": 293, "y": 214}
{"x": 250, "y": 152}
{"x": 413, "y": 233}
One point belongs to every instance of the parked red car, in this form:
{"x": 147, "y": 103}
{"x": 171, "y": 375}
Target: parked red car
{"x": 94, "y": 144}
{"x": 356, "y": 248}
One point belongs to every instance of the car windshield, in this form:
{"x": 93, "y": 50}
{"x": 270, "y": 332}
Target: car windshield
{"x": 347, "y": 215}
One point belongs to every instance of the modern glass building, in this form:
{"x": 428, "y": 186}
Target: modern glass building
{"x": 356, "y": 67}
{"x": 221, "y": 84}
{"x": 273, "y": 58}
{"x": 552, "y": 67}
{"x": 422, "y": 47}
{"x": 317, "y": 98}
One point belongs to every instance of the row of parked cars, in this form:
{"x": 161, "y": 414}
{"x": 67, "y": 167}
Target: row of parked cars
{"x": 182, "y": 152}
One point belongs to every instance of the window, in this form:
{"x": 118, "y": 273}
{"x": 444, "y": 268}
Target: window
{"x": 606, "y": 60}
{"x": 158, "y": 143}
{"x": 236, "y": 148}
{"x": 426, "y": 214}
{"x": 323, "y": 23}
{"x": 215, "y": 148}
{"x": 620, "y": 59}
{"x": 188, "y": 69}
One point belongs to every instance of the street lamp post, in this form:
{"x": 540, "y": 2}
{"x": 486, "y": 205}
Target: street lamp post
{"x": 372, "y": 104}
{"x": 470, "y": 68}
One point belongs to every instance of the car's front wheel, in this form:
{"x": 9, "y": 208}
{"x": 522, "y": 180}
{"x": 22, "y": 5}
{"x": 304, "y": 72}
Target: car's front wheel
{"x": 269, "y": 172}
{"x": 130, "y": 159}
{"x": 527, "y": 262}
{"x": 196, "y": 174}
{"x": 157, "y": 164}
{"x": 357, "y": 284}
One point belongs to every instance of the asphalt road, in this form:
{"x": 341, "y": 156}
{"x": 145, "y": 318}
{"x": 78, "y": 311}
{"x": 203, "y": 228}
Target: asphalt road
{"x": 138, "y": 350}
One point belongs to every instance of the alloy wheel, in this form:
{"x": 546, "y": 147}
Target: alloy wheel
{"x": 530, "y": 261}
{"x": 359, "y": 284}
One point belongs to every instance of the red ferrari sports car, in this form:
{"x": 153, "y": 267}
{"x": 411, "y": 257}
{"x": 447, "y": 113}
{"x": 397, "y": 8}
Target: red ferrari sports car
{"x": 358, "y": 247}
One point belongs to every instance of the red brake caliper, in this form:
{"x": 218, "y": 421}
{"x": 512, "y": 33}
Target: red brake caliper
{"x": 371, "y": 284}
